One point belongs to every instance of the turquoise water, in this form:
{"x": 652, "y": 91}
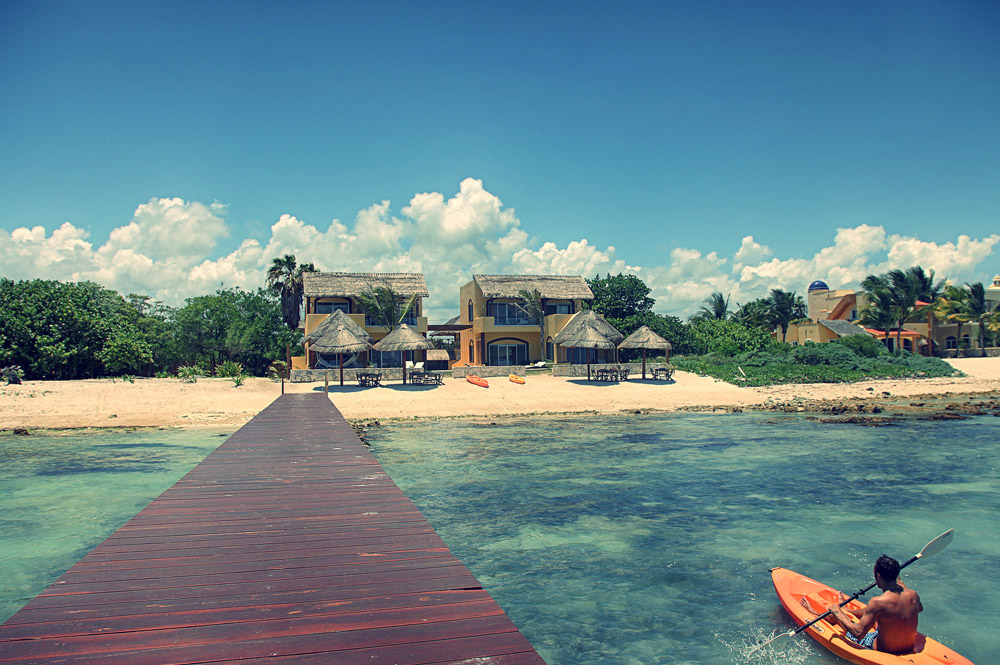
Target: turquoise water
{"x": 648, "y": 539}
{"x": 63, "y": 494}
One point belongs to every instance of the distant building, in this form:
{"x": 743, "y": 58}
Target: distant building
{"x": 835, "y": 313}
{"x": 324, "y": 292}
{"x": 499, "y": 332}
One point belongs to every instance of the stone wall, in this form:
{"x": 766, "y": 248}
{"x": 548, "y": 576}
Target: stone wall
{"x": 635, "y": 369}
{"x": 504, "y": 370}
{"x": 314, "y": 375}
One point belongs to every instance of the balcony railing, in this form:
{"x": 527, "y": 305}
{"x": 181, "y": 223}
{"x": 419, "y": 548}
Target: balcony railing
{"x": 372, "y": 322}
{"x": 514, "y": 321}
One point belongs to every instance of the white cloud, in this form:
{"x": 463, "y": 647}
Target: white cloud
{"x": 165, "y": 251}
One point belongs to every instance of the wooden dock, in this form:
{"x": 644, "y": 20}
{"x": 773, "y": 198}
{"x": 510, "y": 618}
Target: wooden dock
{"x": 290, "y": 545}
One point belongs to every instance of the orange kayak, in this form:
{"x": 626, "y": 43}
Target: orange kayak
{"x": 478, "y": 380}
{"x": 792, "y": 586}
{"x": 515, "y": 378}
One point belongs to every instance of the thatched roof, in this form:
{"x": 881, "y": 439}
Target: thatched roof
{"x": 589, "y": 318}
{"x": 567, "y": 287}
{"x": 645, "y": 338}
{"x": 584, "y": 336}
{"x": 403, "y": 338}
{"x": 336, "y": 322}
{"x": 438, "y": 355}
{"x": 348, "y": 284}
{"x": 340, "y": 341}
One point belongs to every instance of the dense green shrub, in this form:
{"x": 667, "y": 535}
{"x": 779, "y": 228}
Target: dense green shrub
{"x": 229, "y": 369}
{"x": 862, "y": 345}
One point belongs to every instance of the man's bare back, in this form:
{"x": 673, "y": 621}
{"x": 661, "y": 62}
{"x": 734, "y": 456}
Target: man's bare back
{"x": 894, "y": 612}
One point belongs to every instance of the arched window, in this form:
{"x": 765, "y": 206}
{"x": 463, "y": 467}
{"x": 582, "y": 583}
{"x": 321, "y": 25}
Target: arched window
{"x": 550, "y": 349}
{"x": 471, "y": 317}
{"x": 951, "y": 342}
{"x": 967, "y": 340}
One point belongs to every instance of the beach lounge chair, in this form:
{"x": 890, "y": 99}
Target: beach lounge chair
{"x": 539, "y": 365}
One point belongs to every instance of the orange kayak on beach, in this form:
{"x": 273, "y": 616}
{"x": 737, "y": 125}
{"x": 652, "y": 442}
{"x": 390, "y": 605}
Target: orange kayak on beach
{"x": 792, "y": 587}
{"x": 515, "y": 378}
{"x": 478, "y": 380}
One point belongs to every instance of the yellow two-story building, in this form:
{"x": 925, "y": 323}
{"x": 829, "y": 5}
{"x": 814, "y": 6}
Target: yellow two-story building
{"x": 325, "y": 292}
{"x": 499, "y": 330}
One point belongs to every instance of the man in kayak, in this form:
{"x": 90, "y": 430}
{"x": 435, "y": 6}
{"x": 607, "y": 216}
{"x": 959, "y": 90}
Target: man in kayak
{"x": 894, "y": 613}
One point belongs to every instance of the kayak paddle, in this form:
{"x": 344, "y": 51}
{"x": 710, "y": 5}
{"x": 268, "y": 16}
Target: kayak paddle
{"x": 930, "y": 549}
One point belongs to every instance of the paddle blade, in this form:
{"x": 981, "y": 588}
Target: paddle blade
{"x": 937, "y": 544}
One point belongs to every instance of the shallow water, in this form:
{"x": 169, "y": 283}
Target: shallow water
{"x": 649, "y": 539}
{"x": 63, "y": 494}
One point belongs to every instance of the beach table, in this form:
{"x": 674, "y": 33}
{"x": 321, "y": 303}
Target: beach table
{"x": 369, "y": 379}
{"x": 427, "y": 378}
{"x": 606, "y": 374}
{"x": 663, "y": 373}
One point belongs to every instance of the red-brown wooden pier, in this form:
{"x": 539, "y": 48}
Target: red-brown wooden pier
{"x": 289, "y": 544}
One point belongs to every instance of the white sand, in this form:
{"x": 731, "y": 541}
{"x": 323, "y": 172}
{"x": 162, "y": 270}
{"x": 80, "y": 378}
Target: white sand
{"x": 169, "y": 402}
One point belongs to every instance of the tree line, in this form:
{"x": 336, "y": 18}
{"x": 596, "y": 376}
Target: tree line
{"x": 79, "y": 330}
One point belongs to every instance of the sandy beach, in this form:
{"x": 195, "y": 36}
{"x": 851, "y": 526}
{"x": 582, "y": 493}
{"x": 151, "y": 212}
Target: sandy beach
{"x": 217, "y": 402}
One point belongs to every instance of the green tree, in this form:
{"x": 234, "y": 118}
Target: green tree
{"x": 726, "y": 337}
{"x": 716, "y": 306}
{"x": 979, "y": 310}
{"x": 235, "y": 325}
{"x": 951, "y": 307}
{"x": 754, "y": 313}
{"x": 878, "y": 312}
{"x": 531, "y": 305}
{"x": 284, "y": 277}
{"x": 386, "y": 305}
{"x": 620, "y": 296}
{"x": 902, "y": 290}
{"x": 783, "y": 308}
{"x": 57, "y": 330}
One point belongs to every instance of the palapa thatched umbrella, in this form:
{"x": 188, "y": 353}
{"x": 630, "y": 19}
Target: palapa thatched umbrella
{"x": 585, "y": 336}
{"x": 403, "y": 338}
{"x": 336, "y": 334}
{"x": 336, "y": 321}
{"x": 644, "y": 338}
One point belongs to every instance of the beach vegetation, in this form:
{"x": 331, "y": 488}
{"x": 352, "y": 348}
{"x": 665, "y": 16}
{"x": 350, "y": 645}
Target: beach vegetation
{"x": 727, "y": 337}
{"x": 189, "y": 373}
{"x": 277, "y": 370}
{"x": 284, "y": 278}
{"x": 228, "y": 369}
{"x": 779, "y": 363}
{"x": 238, "y": 379}
{"x": 12, "y": 374}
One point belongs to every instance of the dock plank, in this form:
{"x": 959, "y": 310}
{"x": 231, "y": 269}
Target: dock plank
{"x": 288, "y": 544}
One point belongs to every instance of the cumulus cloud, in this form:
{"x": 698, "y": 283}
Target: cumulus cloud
{"x": 165, "y": 251}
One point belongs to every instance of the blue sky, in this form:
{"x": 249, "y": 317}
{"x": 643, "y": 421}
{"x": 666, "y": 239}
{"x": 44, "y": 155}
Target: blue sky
{"x": 193, "y": 141}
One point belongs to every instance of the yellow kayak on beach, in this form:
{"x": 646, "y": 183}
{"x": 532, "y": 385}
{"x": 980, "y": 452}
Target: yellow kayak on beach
{"x": 515, "y": 378}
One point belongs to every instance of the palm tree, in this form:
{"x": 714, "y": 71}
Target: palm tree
{"x": 385, "y": 305}
{"x": 716, "y": 307}
{"x": 927, "y": 289}
{"x": 531, "y": 304}
{"x": 783, "y": 308}
{"x": 879, "y": 312}
{"x": 978, "y": 309}
{"x": 951, "y": 306}
{"x": 903, "y": 289}
{"x": 753, "y": 313}
{"x": 285, "y": 278}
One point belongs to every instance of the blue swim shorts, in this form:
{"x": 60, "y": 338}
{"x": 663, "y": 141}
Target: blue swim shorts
{"x": 868, "y": 641}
